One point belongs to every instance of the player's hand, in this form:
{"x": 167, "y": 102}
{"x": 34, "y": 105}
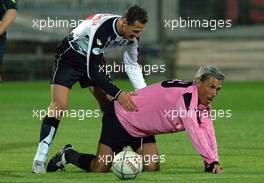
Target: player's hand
{"x": 214, "y": 167}
{"x": 218, "y": 169}
{"x": 125, "y": 100}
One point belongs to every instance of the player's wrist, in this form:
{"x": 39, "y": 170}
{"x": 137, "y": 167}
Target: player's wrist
{"x": 118, "y": 94}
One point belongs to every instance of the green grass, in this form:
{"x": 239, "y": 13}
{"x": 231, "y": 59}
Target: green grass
{"x": 240, "y": 138}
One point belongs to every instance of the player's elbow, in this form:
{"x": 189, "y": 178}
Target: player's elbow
{"x": 12, "y": 13}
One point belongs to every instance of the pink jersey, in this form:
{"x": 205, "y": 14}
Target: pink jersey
{"x": 171, "y": 106}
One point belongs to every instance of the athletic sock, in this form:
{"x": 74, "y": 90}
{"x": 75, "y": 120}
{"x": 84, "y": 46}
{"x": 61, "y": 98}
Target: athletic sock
{"x": 83, "y": 161}
{"x": 47, "y": 133}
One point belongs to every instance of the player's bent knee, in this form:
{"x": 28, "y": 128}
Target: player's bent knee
{"x": 56, "y": 110}
{"x": 58, "y": 106}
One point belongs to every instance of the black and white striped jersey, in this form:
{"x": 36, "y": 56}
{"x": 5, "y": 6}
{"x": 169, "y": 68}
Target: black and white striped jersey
{"x": 97, "y": 35}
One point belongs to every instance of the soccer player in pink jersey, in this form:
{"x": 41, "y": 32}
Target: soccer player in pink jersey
{"x": 165, "y": 107}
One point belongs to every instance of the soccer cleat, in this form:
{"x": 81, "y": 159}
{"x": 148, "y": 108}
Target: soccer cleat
{"x": 58, "y": 161}
{"x": 38, "y": 167}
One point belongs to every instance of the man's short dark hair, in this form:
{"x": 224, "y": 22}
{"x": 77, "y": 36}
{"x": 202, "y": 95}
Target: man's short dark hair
{"x": 136, "y": 13}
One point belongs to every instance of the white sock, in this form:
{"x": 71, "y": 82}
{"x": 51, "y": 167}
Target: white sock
{"x": 44, "y": 146}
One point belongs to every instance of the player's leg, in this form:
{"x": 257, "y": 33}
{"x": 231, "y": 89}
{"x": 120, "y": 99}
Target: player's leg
{"x": 103, "y": 98}
{"x": 149, "y": 152}
{"x": 109, "y": 142}
{"x": 112, "y": 140}
{"x": 87, "y": 162}
{"x": 103, "y": 160}
{"x": 50, "y": 123}
{"x": 65, "y": 75}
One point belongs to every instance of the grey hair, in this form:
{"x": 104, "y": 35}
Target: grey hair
{"x": 204, "y": 73}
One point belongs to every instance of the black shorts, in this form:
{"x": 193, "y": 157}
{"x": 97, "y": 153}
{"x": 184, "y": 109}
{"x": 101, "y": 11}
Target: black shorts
{"x": 115, "y": 136}
{"x": 70, "y": 67}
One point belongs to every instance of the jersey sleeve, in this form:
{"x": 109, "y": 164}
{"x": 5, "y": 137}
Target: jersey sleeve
{"x": 209, "y": 131}
{"x": 199, "y": 136}
{"x": 9, "y": 4}
{"x": 133, "y": 69}
{"x": 96, "y": 66}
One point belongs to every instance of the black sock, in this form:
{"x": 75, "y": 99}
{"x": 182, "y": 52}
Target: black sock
{"x": 83, "y": 161}
{"x": 47, "y": 123}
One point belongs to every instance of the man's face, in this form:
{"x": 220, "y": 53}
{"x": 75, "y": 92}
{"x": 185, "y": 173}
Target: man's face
{"x": 133, "y": 31}
{"x": 208, "y": 89}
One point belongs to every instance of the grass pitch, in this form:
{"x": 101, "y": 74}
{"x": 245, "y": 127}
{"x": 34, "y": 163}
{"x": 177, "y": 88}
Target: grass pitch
{"x": 240, "y": 137}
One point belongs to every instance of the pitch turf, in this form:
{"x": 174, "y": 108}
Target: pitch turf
{"x": 240, "y": 138}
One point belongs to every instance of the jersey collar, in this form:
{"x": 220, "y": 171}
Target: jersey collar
{"x": 114, "y": 27}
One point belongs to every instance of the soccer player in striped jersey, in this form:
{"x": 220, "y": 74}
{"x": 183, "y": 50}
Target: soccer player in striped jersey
{"x": 80, "y": 58}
